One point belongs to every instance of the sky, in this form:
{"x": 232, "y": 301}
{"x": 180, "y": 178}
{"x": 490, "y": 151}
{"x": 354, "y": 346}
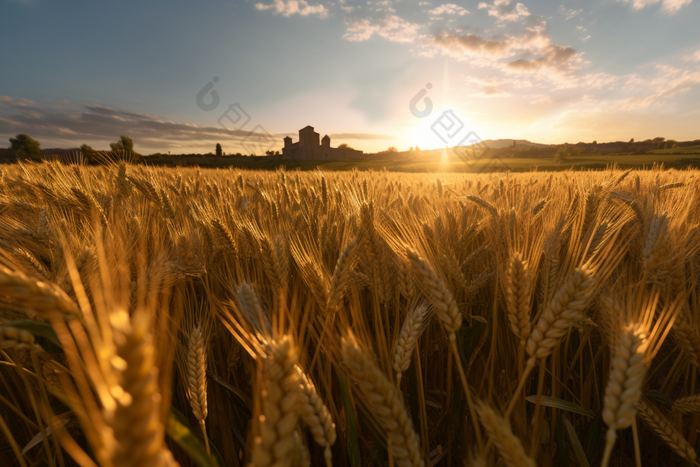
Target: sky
{"x": 181, "y": 76}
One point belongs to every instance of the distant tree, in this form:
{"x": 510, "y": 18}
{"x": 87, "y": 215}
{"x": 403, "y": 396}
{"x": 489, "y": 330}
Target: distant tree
{"x": 88, "y": 152}
{"x": 218, "y": 150}
{"x": 25, "y": 146}
{"x": 417, "y": 148}
{"x": 392, "y": 149}
{"x": 563, "y": 154}
{"x": 631, "y": 141}
{"x": 344, "y": 146}
{"x": 411, "y": 149}
{"x": 125, "y": 144}
{"x": 270, "y": 152}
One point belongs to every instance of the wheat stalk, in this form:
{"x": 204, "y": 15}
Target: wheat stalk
{"x": 518, "y": 296}
{"x": 690, "y": 404}
{"x": 316, "y": 415}
{"x": 663, "y": 428}
{"x": 507, "y": 443}
{"x": 439, "y": 294}
{"x": 40, "y": 297}
{"x": 138, "y": 430}
{"x": 413, "y": 325}
{"x": 567, "y": 303}
{"x": 385, "y": 403}
{"x": 17, "y": 339}
{"x": 275, "y": 442}
{"x": 197, "y": 377}
{"x": 341, "y": 275}
{"x": 687, "y": 338}
{"x": 624, "y": 386}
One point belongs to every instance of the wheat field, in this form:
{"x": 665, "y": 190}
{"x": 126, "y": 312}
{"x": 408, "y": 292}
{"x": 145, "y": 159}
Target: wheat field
{"x": 156, "y": 317}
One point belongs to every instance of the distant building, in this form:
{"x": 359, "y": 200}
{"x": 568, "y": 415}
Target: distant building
{"x": 309, "y": 148}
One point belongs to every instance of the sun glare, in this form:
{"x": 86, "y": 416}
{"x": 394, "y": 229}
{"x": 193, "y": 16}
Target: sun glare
{"x": 443, "y": 127}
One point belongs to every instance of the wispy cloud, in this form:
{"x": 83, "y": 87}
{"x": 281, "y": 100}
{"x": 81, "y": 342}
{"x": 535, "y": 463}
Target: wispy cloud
{"x": 448, "y": 9}
{"x": 389, "y": 27}
{"x": 486, "y": 87}
{"x": 672, "y": 6}
{"x": 293, "y": 7}
{"x": 553, "y": 57}
{"x": 504, "y": 10}
{"x": 693, "y": 57}
{"x": 668, "y": 6}
{"x": 569, "y": 14}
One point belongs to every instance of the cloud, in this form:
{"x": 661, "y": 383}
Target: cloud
{"x": 669, "y": 6}
{"x": 672, "y": 6}
{"x": 389, "y": 27}
{"x": 471, "y": 44}
{"x": 293, "y": 7}
{"x": 569, "y": 14}
{"x": 505, "y": 11}
{"x": 688, "y": 58}
{"x": 486, "y": 87}
{"x": 448, "y": 9}
{"x": 662, "y": 87}
{"x": 16, "y": 102}
{"x": 554, "y": 57}
{"x": 542, "y": 99}
{"x": 528, "y": 50}
{"x": 101, "y": 125}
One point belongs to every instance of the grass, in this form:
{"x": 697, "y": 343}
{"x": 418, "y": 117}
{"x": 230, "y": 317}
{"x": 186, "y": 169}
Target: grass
{"x": 164, "y": 316}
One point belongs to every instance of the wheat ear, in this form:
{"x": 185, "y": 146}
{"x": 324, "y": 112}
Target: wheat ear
{"x": 556, "y": 319}
{"x": 567, "y": 303}
{"x": 138, "y": 430}
{"x": 411, "y": 330}
{"x": 666, "y": 431}
{"x": 252, "y": 311}
{"x": 37, "y": 296}
{"x": 341, "y": 275}
{"x": 197, "y": 377}
{"x": 624, "y": 385}
{"x": 439, "y": 294}
{"x": 451, "y": 317}
{"x": 17, "y": 339}
{"x": 518, "y": 295}
{"x": 275, "y": 443}
{"x": 507, "y": 443}
{"x": 690, "y": 404}
{"x": 316, "y": 416}
{"x": 385, "y": 402}
{"x": 687, "y": 338}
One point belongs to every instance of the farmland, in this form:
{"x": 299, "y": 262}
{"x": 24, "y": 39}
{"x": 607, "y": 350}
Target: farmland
{"x": 191, "y": 316}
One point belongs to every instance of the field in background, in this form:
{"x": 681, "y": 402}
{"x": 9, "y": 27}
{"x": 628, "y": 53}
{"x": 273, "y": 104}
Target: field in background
{"x": 150, "y": 316}
{"x": 448, "y": 161}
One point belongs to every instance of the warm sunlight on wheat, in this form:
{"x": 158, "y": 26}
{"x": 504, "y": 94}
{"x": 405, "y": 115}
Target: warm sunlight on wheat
{"x": 163, "y": 317}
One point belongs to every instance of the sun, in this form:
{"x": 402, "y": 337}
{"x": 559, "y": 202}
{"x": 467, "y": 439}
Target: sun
{"x": 442, "y": 128}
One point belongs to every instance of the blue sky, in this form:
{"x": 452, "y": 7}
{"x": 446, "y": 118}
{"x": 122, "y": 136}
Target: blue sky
{"x": 79, "y": 72}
